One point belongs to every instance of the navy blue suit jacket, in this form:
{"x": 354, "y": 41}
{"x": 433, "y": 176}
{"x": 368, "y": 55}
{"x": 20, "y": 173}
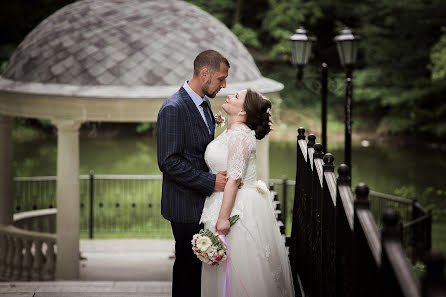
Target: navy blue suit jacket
{"x": 182, "y": 137}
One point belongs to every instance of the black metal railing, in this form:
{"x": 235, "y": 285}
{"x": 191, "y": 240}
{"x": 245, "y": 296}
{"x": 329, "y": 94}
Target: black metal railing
{"x": 127, "y": 204}
{"x": 336, "y": 248}
{"x": 416, "y": 222}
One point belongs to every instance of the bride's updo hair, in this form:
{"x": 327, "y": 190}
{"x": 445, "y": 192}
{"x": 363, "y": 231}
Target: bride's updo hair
{"x": 258, "y": 117}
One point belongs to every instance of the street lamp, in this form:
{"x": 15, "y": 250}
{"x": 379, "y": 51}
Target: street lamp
{"x": 301, "y": 44}
{"x": 301, "y": 49}
{"x": 347, "y": 45}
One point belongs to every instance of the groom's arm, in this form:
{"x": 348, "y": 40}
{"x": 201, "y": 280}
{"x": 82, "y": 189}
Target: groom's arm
{"x": 170, "y": 144}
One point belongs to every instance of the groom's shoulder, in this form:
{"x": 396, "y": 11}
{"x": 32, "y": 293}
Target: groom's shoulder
{"x": 176, "y": 99}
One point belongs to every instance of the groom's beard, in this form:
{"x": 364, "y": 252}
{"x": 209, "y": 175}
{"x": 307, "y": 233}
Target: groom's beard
{"x": 206, "y": 90}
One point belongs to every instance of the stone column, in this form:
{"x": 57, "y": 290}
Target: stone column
{"x": 68, "y": 201}
{"x": 262, "y": 161}
{"x": 6, "y": 171}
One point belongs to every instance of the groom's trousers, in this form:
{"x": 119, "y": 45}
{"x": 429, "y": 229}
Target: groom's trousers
{"x": 186, "y": 278}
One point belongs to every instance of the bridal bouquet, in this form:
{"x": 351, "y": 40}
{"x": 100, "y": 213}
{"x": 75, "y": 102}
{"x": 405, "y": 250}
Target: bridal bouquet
{"x": 208, "y": 247}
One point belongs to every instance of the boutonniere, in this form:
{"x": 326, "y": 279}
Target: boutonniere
{"x": 219, "y": 119}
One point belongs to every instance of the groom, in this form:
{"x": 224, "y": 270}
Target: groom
{"x": 185, "y": 126}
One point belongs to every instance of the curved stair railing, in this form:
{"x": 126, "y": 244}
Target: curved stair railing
{"x": 28, "y": 247}
{"x": 336, "y": 247}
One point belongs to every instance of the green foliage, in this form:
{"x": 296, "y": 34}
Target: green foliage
{"x": 400, "y": 76}
{"x": 430, "y": 198}
{"x": 3, "y": 66}
{"x": 222, "y": 10}
{"x": 419, "y": 269}
{"x": 143, "y": 127}
{"x": 283, "y": 18}
{"x": 438, "y": 58}
{"x": 246, "y": 35}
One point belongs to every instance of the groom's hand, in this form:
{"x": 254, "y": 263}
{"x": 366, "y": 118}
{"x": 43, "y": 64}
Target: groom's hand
{"x": 220, "y": 181}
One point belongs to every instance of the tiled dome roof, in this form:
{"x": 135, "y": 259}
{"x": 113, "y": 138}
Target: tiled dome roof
{"x": 125, "y": 43}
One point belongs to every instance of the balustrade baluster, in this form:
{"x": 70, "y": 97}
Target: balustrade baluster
{"x": 3, "y": 253}
{"x": 9, "y": 257}
{"x": 50, "y": 263}
{"x": 38, "y": 261}
{"x": 18, "y": 258}
{"x": 27, "y": 261}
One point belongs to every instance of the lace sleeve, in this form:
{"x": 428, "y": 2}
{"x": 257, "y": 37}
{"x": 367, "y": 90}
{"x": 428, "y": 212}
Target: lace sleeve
{"x": 241, "y": 144}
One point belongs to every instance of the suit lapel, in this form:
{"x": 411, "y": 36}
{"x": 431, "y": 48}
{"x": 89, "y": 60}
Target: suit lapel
{"x": 194, "y": 111}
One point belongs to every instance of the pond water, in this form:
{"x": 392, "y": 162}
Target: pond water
{"x": 383, "y": 168}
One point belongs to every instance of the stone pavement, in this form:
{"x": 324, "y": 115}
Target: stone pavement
{"x": 86, "y": 289}
{"x": 127, "y": 259}
{"x": 110, "y": 268}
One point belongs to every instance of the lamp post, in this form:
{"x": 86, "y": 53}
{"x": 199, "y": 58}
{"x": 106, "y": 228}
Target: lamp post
{"x": 347, "y": 45}
{"x": 301, "y": 44}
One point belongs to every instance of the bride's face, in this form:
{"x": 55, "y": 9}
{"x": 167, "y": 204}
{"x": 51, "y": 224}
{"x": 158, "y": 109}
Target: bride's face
{"x": 234, "y": 103}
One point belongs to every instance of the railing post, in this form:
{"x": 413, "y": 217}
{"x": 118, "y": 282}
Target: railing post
{"x": 328, "y": 230}
{"x": 297, "y": 229}
{"x": 344, "y": 237}
{"x": 433, "y": 282}
{"x": 316, "y": 208}
{"x": 396, "y": 276}
{"x": 284, "y": 202}
{"x": 91, "y": 217}
{"x": 365, "y": 265}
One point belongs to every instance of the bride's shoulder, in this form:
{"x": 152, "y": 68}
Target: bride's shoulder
{"x": 242, "y": 132}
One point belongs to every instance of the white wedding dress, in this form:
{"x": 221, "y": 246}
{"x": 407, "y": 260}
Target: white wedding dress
{"x": 260, "y": 265}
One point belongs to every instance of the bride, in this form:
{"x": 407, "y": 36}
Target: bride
{"x": 260, "y": 265}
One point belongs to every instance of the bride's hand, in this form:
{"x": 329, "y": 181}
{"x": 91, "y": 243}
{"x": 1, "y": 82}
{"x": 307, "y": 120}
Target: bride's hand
{"x": 222, "y": 227}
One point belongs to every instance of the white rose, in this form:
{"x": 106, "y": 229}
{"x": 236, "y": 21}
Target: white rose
{"x": 211, "y": 251}
{"x": 203, "y": 259}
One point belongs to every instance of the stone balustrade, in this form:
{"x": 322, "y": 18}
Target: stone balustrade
{"x": 28, "y": 247}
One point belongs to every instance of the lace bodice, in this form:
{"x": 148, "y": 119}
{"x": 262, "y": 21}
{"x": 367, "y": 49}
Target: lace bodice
{"x": 234, "y": 151}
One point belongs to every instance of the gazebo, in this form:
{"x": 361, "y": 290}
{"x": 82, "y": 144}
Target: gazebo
{"x": 114, "y": 61}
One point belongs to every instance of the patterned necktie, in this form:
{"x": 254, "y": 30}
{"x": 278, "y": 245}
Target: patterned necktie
{"x": 207, "y": 111}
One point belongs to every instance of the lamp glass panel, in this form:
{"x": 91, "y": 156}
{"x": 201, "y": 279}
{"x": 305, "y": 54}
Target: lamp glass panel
{"x": 300, "y": 52}
{"x": 348, "y": 50}
{"x": 341, "y": 53}
{"x": 307, "y": 52}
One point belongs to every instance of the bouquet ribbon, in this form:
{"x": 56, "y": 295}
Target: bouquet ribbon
{"x": 227, "y": 285}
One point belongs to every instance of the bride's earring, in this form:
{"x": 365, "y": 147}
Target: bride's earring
{"x": 239, "y": 113}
